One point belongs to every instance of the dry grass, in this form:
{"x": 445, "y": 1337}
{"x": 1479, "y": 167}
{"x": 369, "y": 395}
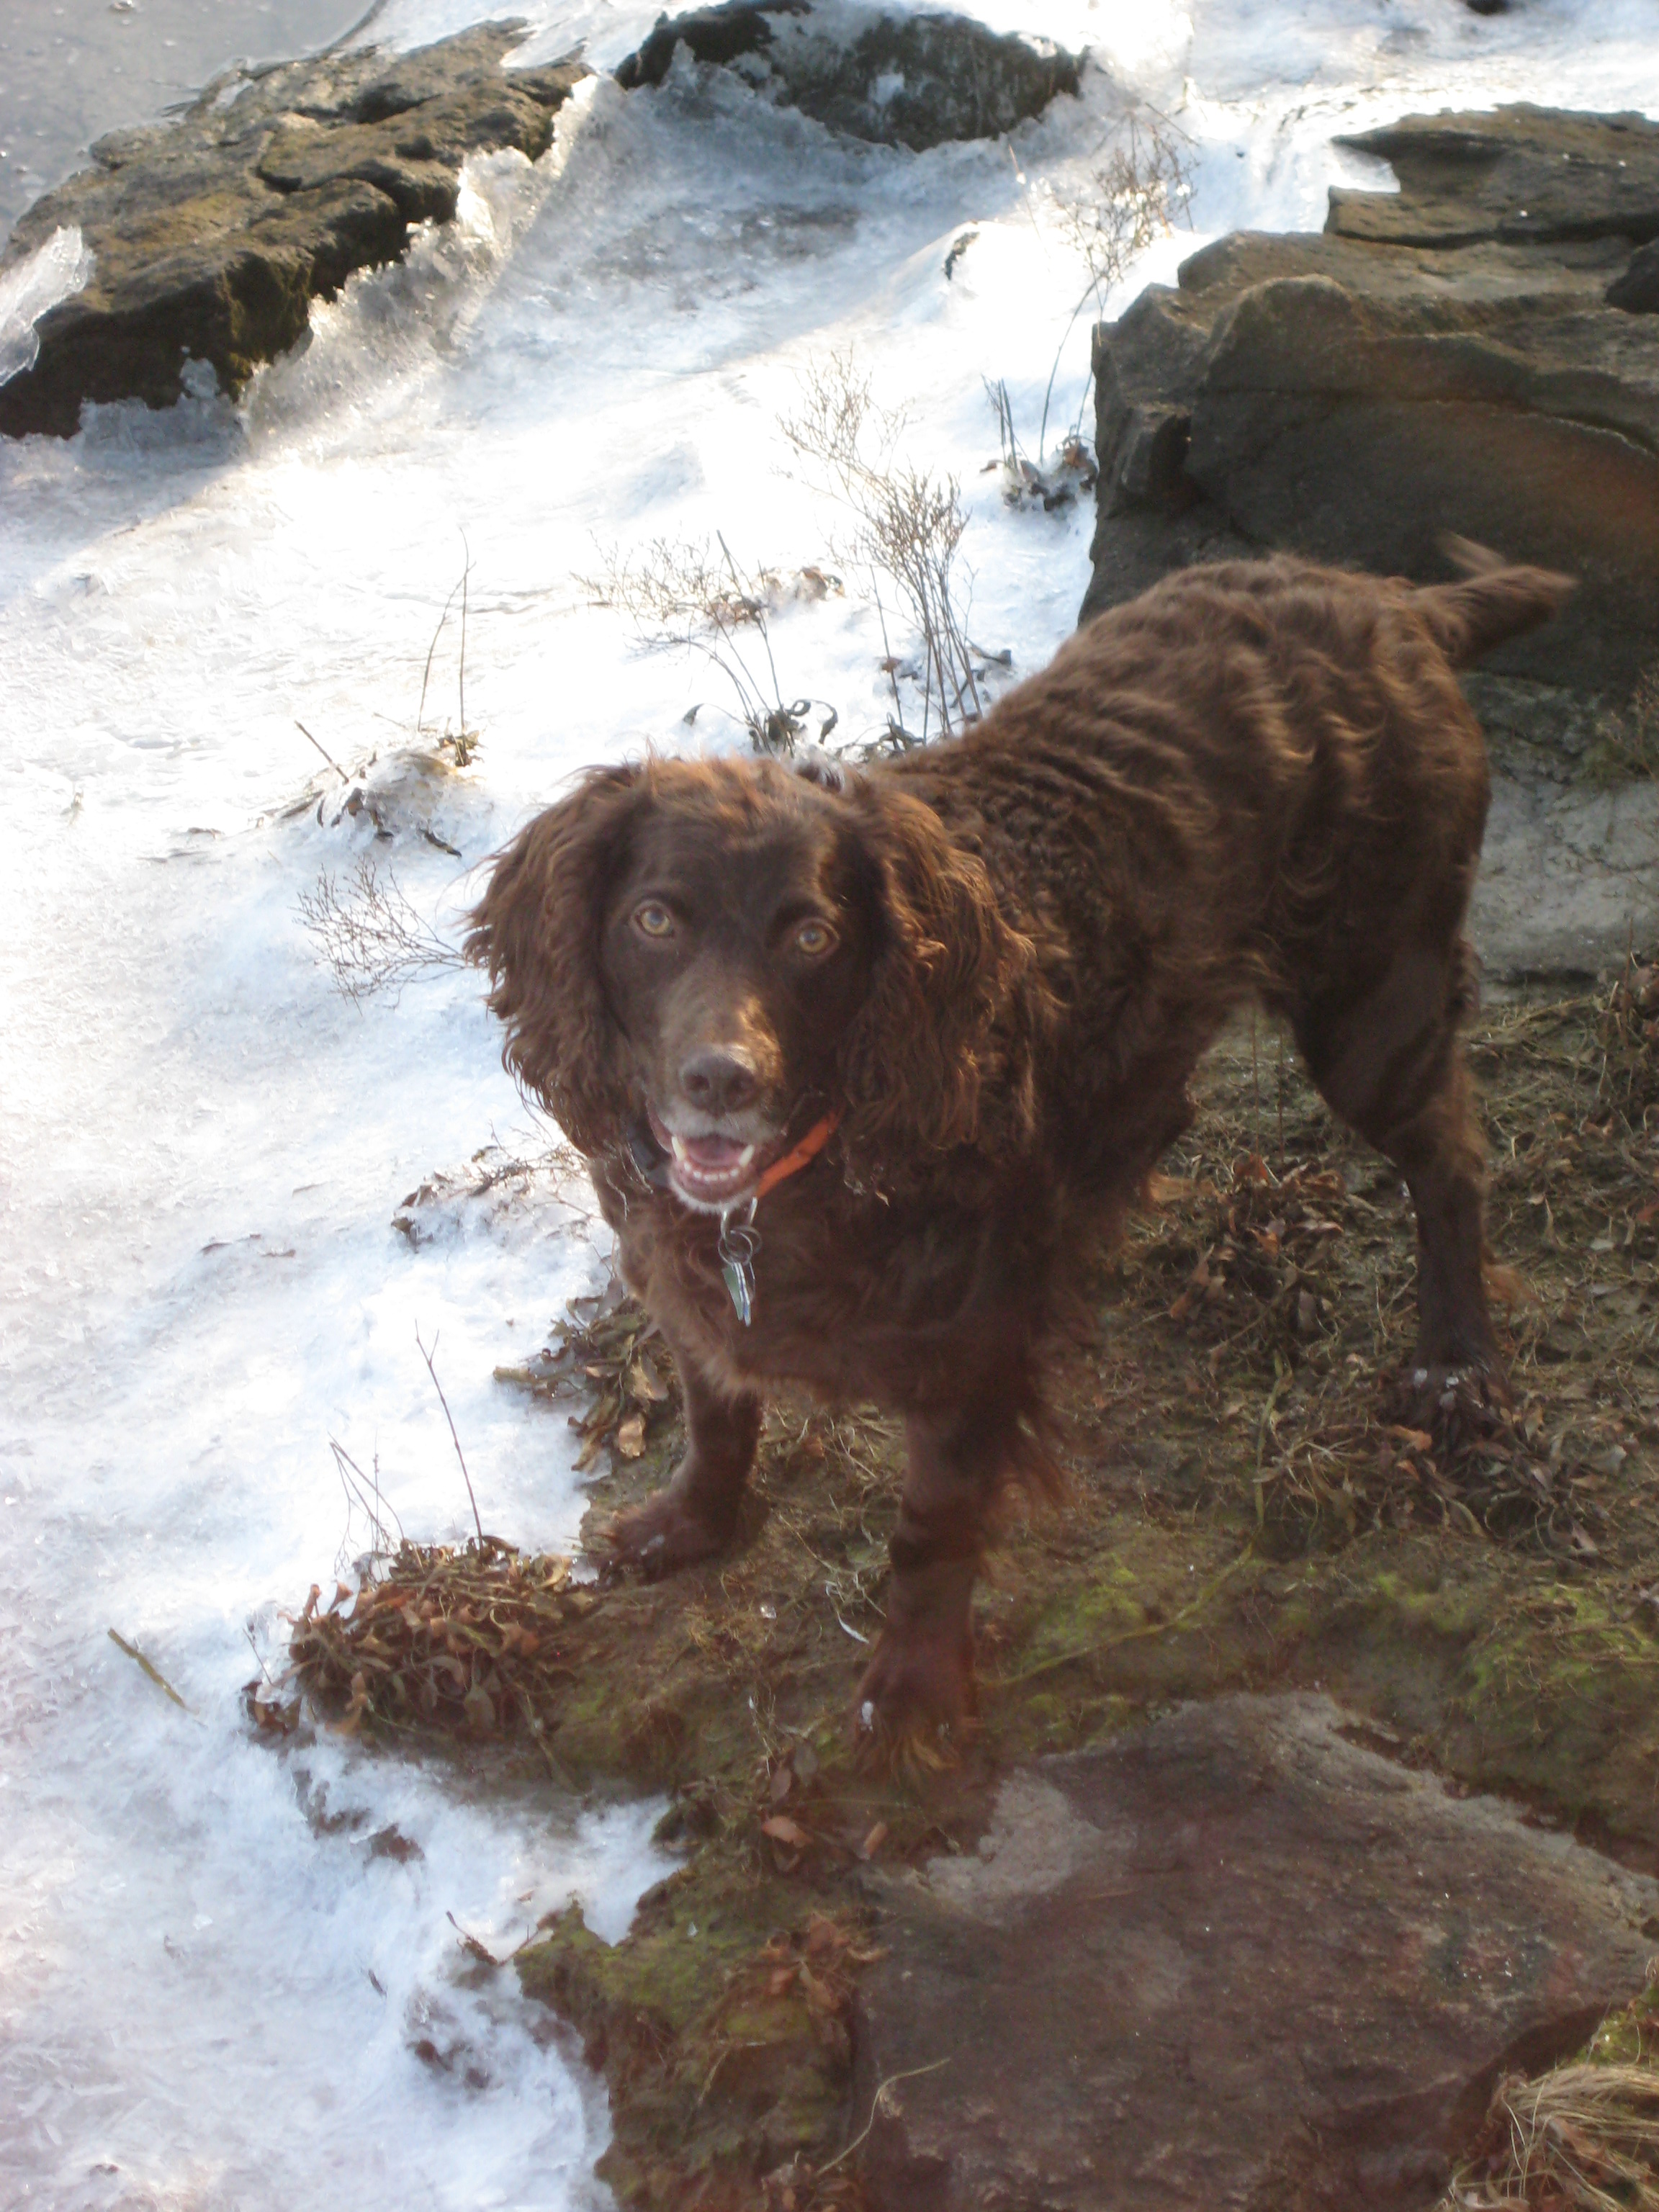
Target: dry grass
{"x": 1051, "y": 484}
{"x": 1626, "y": 744}
{"x": 1276, "y": 1267}
{"x": 907, "y": 526}
{"x": 682, "y": 597}
{"x": 1138, "y": 191}
{"x": 1585, "y": 2137}
{"x": 1139, "y": 188}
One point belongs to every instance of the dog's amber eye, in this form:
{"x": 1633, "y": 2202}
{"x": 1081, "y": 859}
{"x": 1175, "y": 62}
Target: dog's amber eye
{"x": 653, "y": 920}
{"x": 814, "y": 938}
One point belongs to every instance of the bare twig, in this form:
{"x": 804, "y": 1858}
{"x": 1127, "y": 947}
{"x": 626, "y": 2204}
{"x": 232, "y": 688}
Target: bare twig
{"x": 1138, "y": 192}
{"x": 327, "y": 756}
{"x": 455, "y": 1439}
{"x": 369, "y": 935}
{"x": 907, "y": 523}
{"x": 426, "y": 673}
{"x": 357, "y": 1488}
{"x": 471, "y": 1945}
{"x": 910, "y": 2074}
{"x": 149, "y": 1668}
{"x": 467, "y": 571}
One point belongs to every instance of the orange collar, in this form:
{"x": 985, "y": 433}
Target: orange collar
{"x": 808, "y": 1149}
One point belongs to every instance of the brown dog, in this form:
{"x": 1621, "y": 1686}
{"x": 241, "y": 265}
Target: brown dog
{"x": 864, "y": 1064}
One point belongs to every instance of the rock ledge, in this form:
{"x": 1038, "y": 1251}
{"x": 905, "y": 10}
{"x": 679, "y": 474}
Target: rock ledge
{"x": 212, "y": 235}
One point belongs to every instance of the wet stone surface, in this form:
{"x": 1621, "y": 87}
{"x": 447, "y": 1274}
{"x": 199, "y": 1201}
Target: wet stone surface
{"x": 1232, "y": 1960}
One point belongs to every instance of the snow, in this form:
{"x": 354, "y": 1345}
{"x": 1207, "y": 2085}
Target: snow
{"x": 213, "y": 1987}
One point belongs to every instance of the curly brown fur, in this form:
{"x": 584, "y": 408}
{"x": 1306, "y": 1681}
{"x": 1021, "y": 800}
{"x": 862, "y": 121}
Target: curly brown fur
{"x": 996, "y": 961}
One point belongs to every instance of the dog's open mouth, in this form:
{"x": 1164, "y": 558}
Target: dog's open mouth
{"x": 712, "y": 1170}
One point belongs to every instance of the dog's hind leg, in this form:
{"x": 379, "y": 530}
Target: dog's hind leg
{"x": 696, "y": 1515}
{"x": 1390, "y": 1062}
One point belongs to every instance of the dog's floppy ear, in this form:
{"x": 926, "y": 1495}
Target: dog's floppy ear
{"x": 535, "y": 932}
{"x": 939, "y": 1053}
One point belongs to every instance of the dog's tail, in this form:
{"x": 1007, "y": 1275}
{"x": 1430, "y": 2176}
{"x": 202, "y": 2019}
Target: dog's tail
{"x": 1495, "y": 601}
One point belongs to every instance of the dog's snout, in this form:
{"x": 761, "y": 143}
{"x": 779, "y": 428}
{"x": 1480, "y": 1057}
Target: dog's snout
{"x": 720, "y": 1080}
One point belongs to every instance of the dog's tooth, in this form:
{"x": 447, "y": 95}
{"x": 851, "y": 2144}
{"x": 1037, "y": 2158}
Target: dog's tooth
{"x": 680, "y": 1153}
{"x": 745, "y": 1156}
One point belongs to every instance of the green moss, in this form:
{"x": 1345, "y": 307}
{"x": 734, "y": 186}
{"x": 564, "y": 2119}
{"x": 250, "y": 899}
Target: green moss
{"x": 721, "y": 2035}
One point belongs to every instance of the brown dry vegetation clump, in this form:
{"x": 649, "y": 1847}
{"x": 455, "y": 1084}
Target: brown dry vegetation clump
{"x": 1243, "y": 1510}
{"x": 1584, "y": 2137}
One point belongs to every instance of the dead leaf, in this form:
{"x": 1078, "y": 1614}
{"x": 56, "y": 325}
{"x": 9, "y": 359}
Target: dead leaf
{"x": 1166, "y": 1190}
{"x": 873, "y": 1842}
{"x": 1413, "y": 1439}
{"x": 642, "y": 1382}
{"x": 819, "y": 1995}
{"x": 783, "y": 1830}
{"x": 630, "y": 1436}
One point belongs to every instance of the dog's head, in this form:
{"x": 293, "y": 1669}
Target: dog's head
{"x": 700, "y": 960}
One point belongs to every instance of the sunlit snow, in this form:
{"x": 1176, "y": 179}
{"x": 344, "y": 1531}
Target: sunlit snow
{"x": 212, "y": 1987}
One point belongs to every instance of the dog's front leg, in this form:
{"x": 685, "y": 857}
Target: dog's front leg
{"x": 696, "y": 1515}
{"x": 922, "y": 1673}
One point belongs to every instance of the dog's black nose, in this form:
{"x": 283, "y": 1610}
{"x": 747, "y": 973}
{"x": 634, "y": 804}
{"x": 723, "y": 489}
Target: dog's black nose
{"x": 719, "y": 1082}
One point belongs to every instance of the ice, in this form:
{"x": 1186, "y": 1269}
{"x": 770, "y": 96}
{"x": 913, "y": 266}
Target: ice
{"x": 217, "y": 1985}
{"x": 54, "y": 272}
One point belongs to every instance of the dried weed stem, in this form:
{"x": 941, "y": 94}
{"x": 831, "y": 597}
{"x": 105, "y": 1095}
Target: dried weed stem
{"x": 908, "y": 525}
{"x": 369, "y": 936}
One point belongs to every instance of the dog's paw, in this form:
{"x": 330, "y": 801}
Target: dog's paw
{"x": 916, "y": 1702}
{"x": 660, "y": 1536}
{"x": 1456, "y": 1405}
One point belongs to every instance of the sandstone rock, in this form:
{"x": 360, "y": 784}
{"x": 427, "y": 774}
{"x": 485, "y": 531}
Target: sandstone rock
{"x": 914, "y": 80}
{"x": 1476, "y": 353}
{"x": 1524, "y": 175}
{"x": 1231, "y": 1959}
{"x": 1354, "y": 402}
{"x": 212, "y": 235}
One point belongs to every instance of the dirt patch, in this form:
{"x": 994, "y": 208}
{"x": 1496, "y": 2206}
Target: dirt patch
{"x": 1244, "y": 1511}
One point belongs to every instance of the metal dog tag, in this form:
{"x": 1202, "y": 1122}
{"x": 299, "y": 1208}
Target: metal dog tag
{"x": 741, "y": 1286}
{"x": 737, "y": 1249}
